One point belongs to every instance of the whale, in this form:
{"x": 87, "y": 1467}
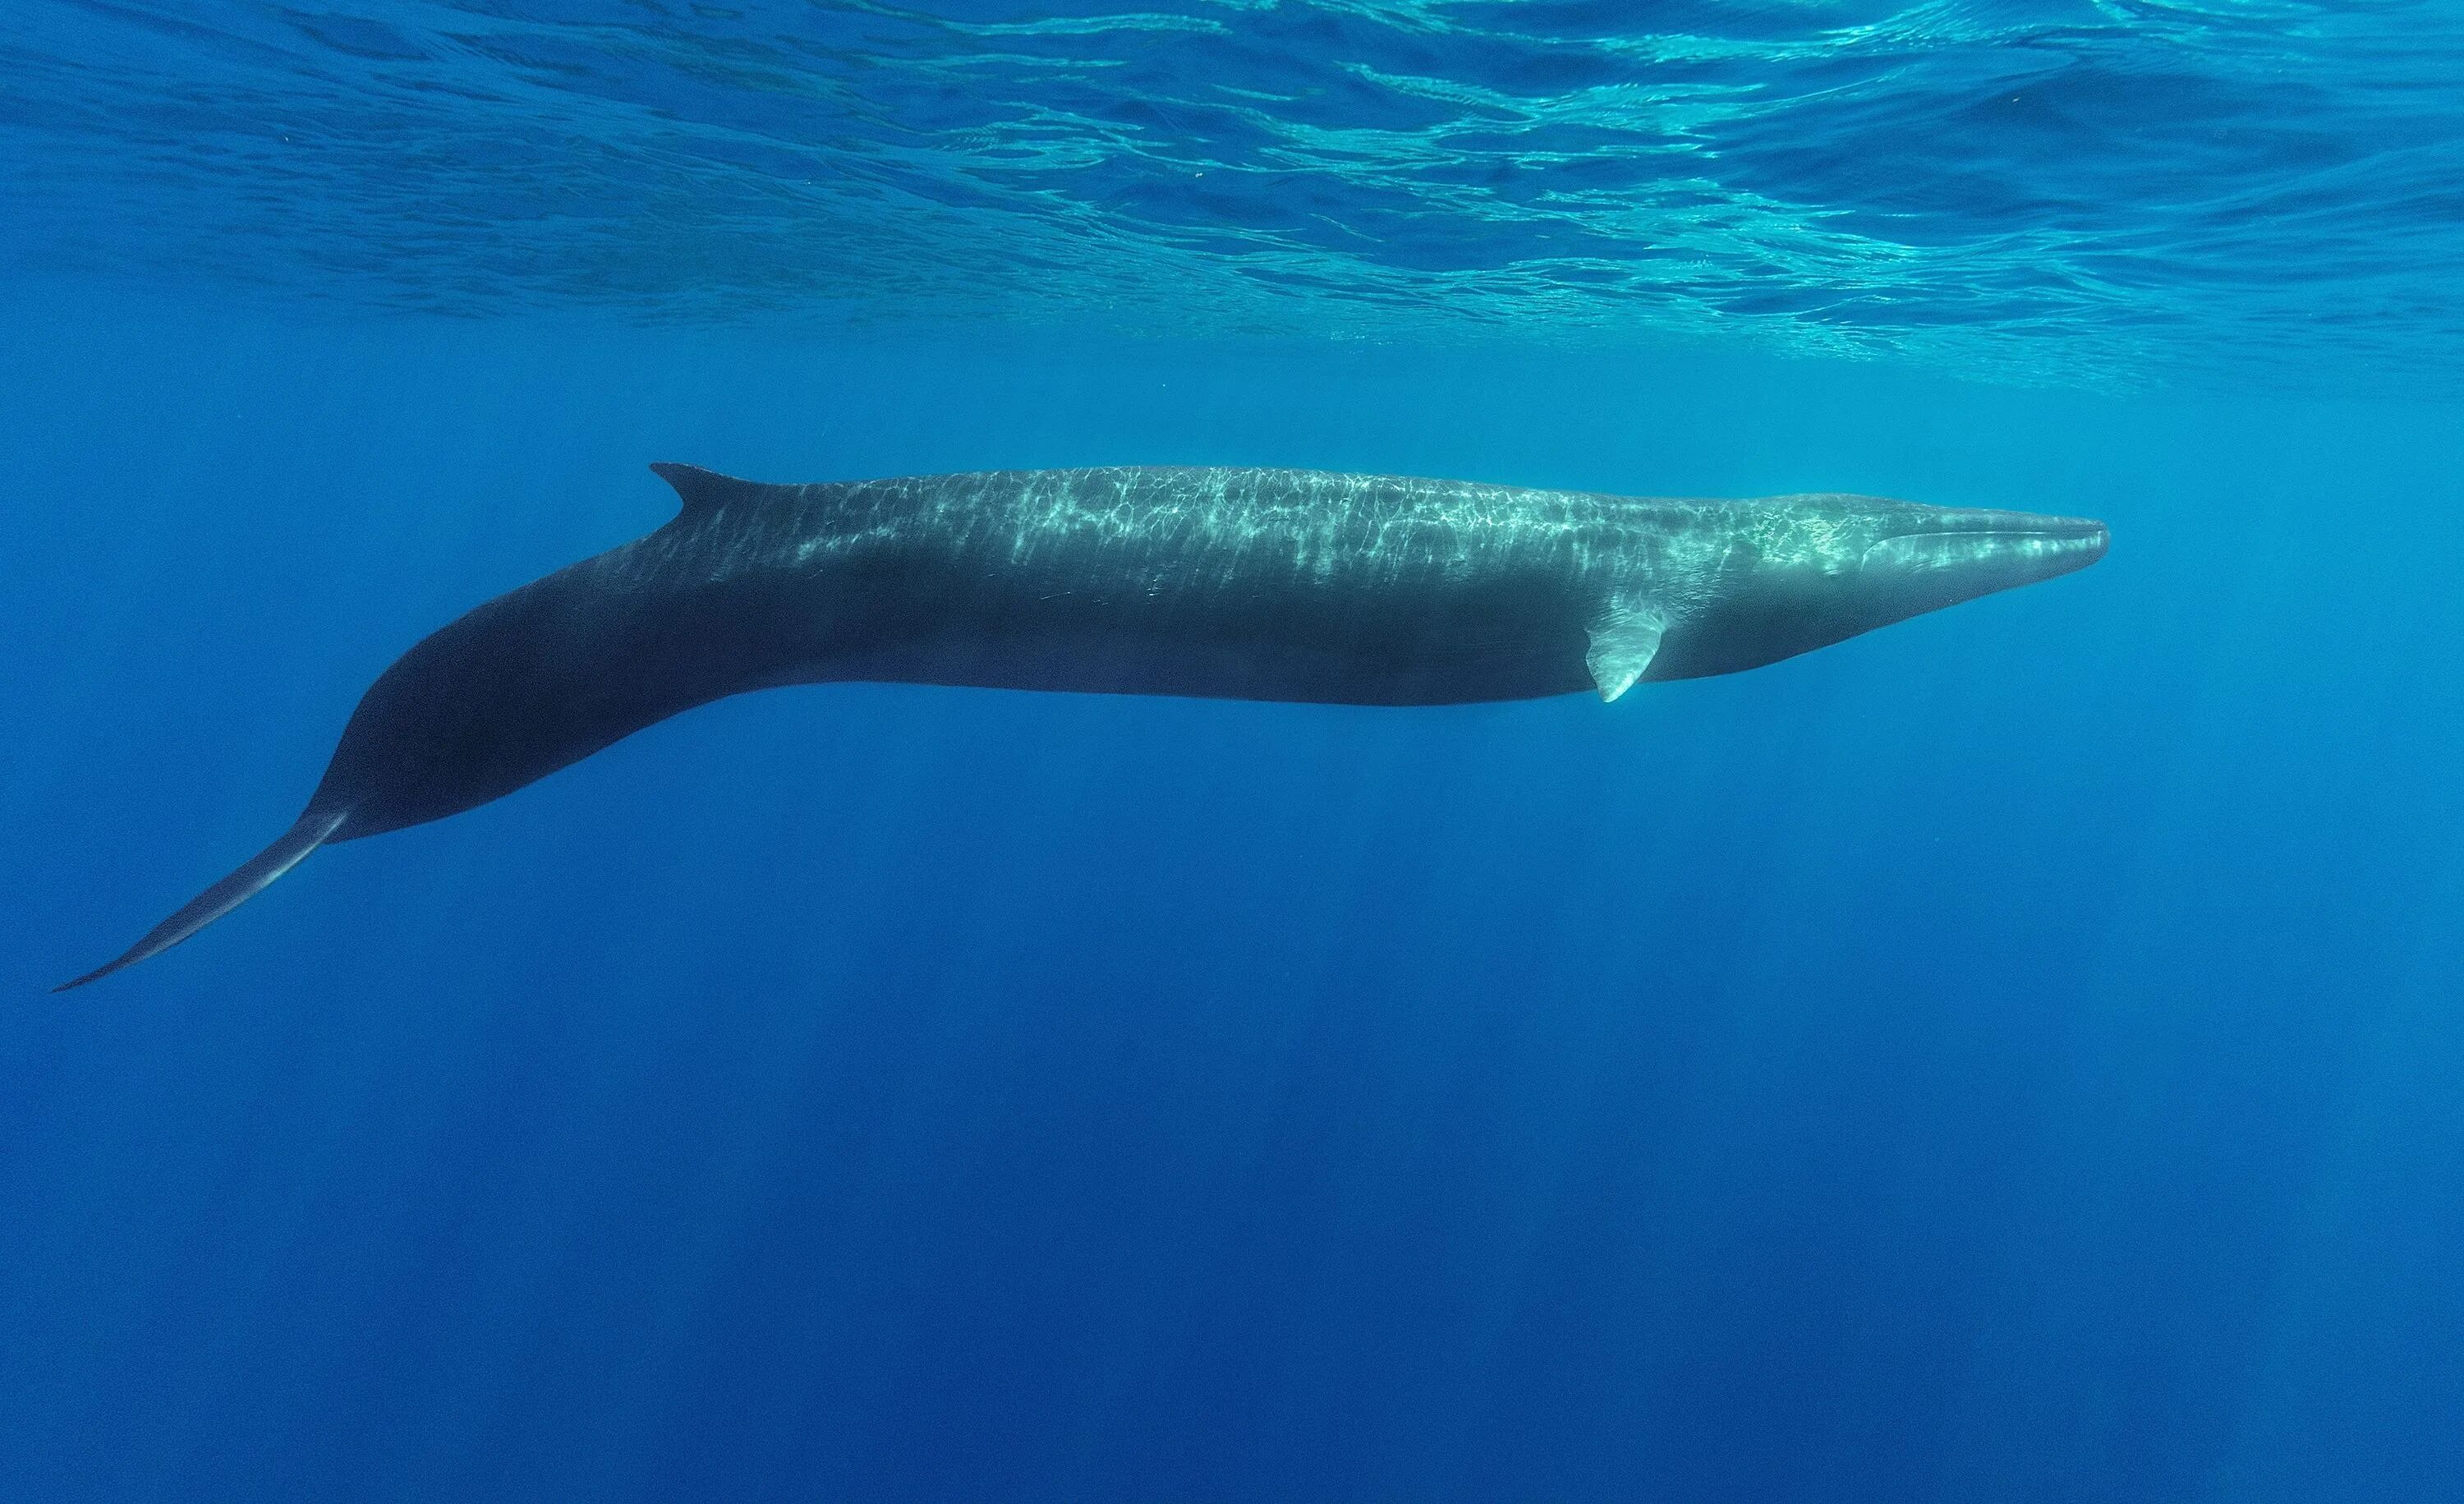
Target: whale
{"x": 1244, "y": 583}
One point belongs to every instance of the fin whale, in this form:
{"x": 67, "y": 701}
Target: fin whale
{"x": 1280, "y": 584}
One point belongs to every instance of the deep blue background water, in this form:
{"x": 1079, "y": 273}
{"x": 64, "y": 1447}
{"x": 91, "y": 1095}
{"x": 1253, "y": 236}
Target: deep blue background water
{"x": 2014, "y": 1055}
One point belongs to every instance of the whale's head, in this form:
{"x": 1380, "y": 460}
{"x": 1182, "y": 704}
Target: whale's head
{"x": 1797, "y": 573}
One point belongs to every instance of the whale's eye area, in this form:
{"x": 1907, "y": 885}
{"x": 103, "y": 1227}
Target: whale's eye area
{"x": 1926, "y": 550}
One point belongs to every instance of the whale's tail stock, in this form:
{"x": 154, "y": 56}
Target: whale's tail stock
{"x": 313, "y": 830}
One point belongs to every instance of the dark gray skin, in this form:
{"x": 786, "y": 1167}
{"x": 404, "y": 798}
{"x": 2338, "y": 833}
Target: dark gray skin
{"x": 1277, "y": 585}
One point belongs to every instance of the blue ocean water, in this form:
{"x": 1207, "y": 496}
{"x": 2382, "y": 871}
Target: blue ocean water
{"x": 2014, "y": 1055}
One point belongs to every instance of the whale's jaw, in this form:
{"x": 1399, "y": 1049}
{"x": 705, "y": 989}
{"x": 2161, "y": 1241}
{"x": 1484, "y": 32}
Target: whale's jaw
{"x": 1989, "y": 551}
{"x": 1960, "y": 555}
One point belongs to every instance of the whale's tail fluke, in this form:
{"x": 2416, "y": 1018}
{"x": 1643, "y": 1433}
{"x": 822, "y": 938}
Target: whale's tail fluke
{"x": 313, "y": 831}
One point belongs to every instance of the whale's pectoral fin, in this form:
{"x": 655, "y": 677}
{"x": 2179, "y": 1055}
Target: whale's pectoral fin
{"x": 1623, "y": 644}
{"x": 227, "y": 894}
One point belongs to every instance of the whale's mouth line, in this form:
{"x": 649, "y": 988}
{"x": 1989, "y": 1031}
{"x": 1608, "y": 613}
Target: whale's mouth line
{"x": 2061, "y": 543}
{"x": 2054, "y": 530}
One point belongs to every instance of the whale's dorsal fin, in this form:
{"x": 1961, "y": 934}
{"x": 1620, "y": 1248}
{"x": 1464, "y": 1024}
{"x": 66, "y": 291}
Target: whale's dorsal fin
{"x": 1623, "y": 644}
{"x": 705, "y": 491}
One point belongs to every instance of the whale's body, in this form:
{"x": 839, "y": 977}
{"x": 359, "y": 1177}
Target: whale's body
{"x": 1277, "y": 585}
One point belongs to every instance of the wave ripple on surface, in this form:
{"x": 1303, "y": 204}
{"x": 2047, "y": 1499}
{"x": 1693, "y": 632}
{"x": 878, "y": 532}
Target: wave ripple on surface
{"x": 2053, "y": 187}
